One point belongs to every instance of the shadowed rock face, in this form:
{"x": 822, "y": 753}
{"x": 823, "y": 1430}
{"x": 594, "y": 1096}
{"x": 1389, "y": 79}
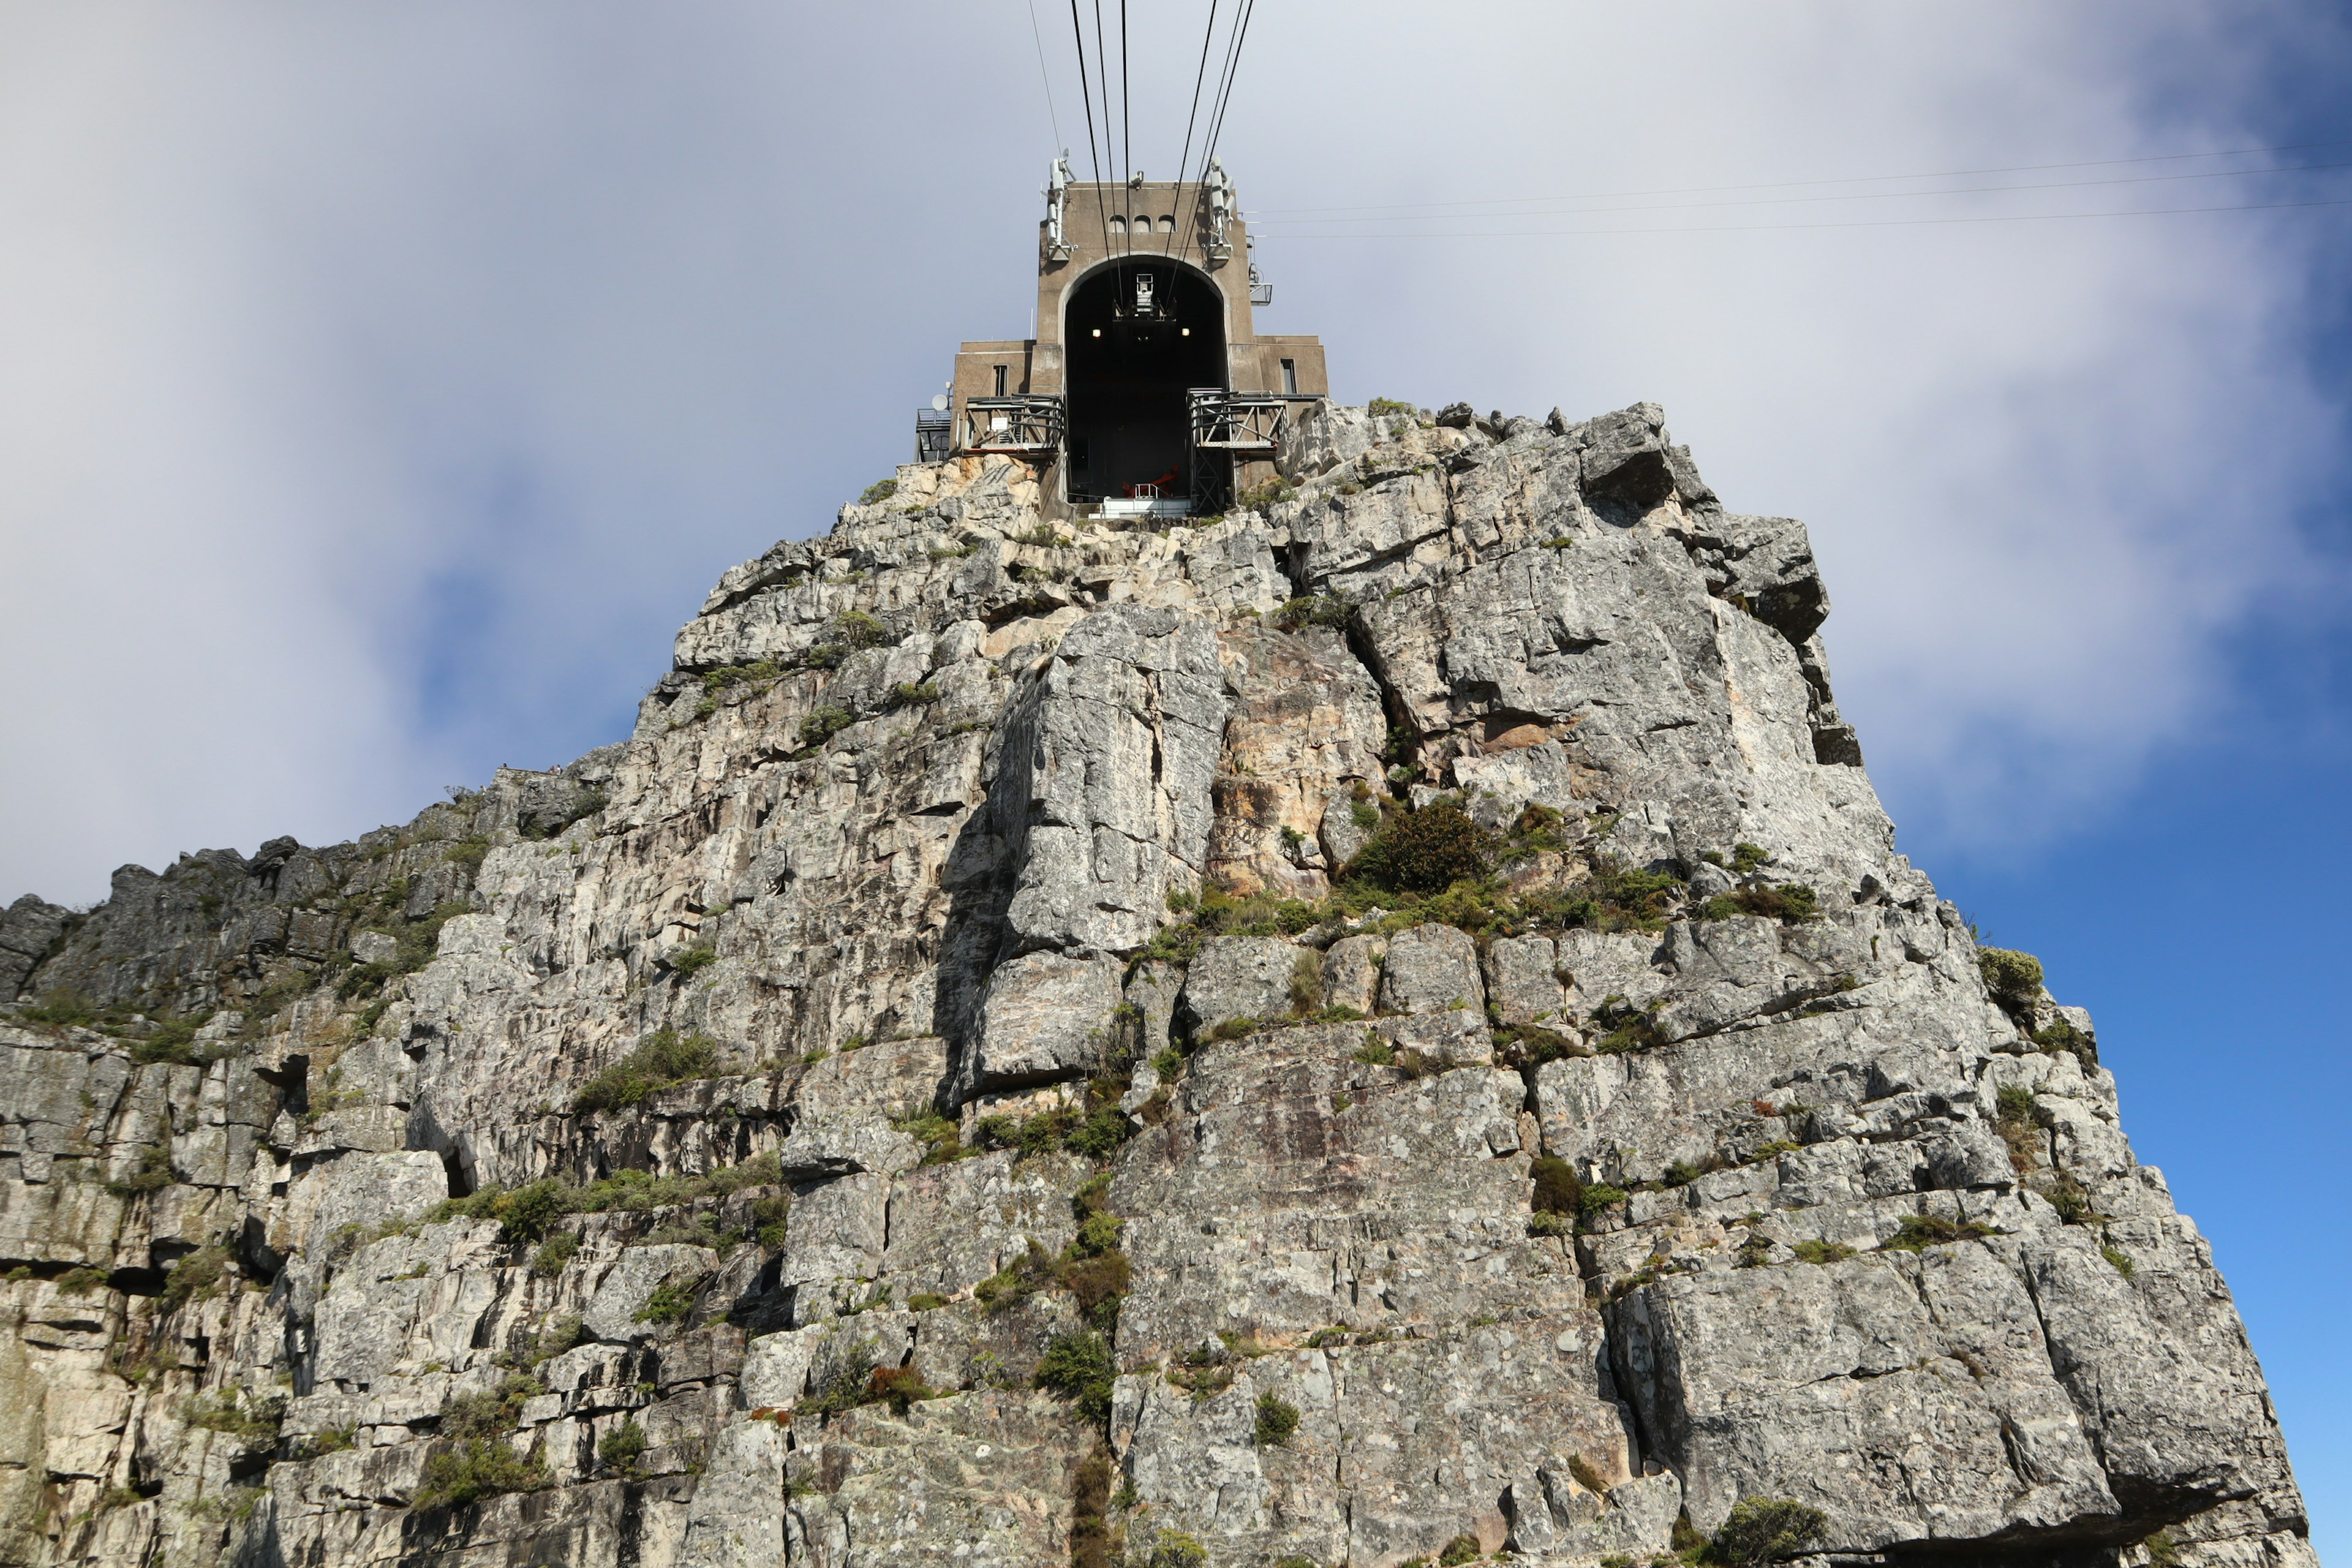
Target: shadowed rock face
{"x": 922, "y": 1100}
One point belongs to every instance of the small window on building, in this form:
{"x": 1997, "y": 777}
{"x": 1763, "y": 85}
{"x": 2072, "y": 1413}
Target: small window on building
{"x": 1000, "y": 380}
{"x": 1118, "y": 225}
{"x": 1167, "y": 224}
{"x": 1289, "y": 377}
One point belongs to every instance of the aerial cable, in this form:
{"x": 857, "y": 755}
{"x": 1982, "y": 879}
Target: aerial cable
{"x": 1226, "y": 97}
{"x": 1051, "y": 117}
{"x": 1234, "y": 30}
{"x": 1102, "y": 69}
{"x": 1846, "y": 180}
{"x": 1087, "y": 93}
{"x": 1199, "y": 77}
{"x": 1125, "y": 126}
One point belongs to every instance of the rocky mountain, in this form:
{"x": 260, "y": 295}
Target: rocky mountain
{"x": 1385, "y": 1027}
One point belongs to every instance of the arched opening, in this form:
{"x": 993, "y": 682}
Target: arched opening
{"x": 1138, "y": 333}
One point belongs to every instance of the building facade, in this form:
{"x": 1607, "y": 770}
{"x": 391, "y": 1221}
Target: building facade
{"x": 1147, "y": 390}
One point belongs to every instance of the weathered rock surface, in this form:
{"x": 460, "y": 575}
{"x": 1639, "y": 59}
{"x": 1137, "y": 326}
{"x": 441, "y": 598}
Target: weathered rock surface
{"x": 936, "y": 1094}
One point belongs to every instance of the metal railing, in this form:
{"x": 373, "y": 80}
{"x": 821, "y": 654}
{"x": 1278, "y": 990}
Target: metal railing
{"x": 1246, "y": 424}
{"x": 1023, "y": 426}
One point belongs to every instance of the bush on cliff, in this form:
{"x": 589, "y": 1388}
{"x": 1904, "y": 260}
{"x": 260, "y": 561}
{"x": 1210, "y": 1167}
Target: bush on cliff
{"x": 1764, "y": 1529}
{"x": 2012, "y": 976}
{"x": 665, "y": 1058}
{"x": 478, "y": 1469}
{"x": 1425, "y": 851}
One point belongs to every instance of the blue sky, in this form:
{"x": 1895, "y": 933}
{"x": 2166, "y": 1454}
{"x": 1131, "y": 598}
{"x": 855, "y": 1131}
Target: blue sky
{"x": 381, "y": 388}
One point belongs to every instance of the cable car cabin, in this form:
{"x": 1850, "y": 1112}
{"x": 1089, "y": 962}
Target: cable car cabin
{"x": 1147, "y": 391}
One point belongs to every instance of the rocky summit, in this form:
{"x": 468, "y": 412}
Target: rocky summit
{"x": 1385, "y": 1027}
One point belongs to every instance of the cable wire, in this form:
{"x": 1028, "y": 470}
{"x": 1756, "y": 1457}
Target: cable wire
{"x": 1199, "y": 77}
{"x": 1079, "y": 31}
{"x": 1039, "y": 39}
{"x": 1126, "y": 127}
{"x": 1235, "y": 30}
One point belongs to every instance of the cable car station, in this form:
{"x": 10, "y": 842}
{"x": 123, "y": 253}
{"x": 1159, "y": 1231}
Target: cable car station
{"x": 1147, "y": 391}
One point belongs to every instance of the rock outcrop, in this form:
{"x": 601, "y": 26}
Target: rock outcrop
{"x": 1386, "y": 1025}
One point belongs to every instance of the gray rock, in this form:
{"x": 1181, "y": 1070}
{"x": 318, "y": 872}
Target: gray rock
{"x": 613, "y": 1311}
{"x": 1047, "y": 1018}
{"x": 789, "y": 857}
{"x": 1523, "y": 981}
{"x": 1239, "y": 977}
{"x": 1352, "y": 972}
{"x": 1432, "y": 969}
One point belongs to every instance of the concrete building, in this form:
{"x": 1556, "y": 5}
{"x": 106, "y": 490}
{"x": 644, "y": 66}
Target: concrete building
{"x": 1146, "y": 390}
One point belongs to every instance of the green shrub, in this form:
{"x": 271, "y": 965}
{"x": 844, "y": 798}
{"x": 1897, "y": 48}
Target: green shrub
{"x": 1277, "y": 1418}
{"x": 1822, "y": 1251}
{"x": 1460, "y": 1549}
{"x": 468, "y": 852}
{"x": 622, "y": 1447}
{"x": 1077, "y": 1368}
{"x": 1764, "y": 1529}
{"x": 1383, "y": 405}
{"x": 1313, "y": 610}
{"x": 201, "y": 1274}
{"x": 665, "y": 1058}
{"x": 926, "y": 1301}
{"x": 478, "y": 1469}
{"x": 1791, "y": 902}
{"x": 898, "y": 1387}
{"x": 1174, "y": 1548}
{"x": 1597, "y": 1197}
{"x": 556, "y": 1252}
{"x": 256, "y": 1420}
{"x": 824, "y": 724}
{"x": 2118, "y": 1257}
{"x": 859, "y": 630}
{"x": 840, "y": 1375}
{"x": 694, "y": 961}
{"x": 1376, "y": 1051}
{"x": 879, "y": 490}
{"x": 941, "y": 1136}
{"x": 1425, "y": 851}
{"x": 82, "y": 1282}
{"x": 490, "y": 1413}
{"x": 61, "y": 1007}
{"x": 561, "y": 1335}
{"x": 2162, "y": 1552}
{"x": 1628, "y": 1029}
{"x": 1530, "y": 1044}
{"x": 1747, "y": 857}
{"x": 1558, "y": 1190}
{"x": 2012, "y": 976}
{"x": 1922, "y": 1231}
{"x": 524, "y": 1213}
{"x": 913, "y": 694}
{"x": 671, "y": 1302}
{"x": 152, "y": 1174}
{"x": 172, "y": 1040}
{"x": 2061, "y": 1034}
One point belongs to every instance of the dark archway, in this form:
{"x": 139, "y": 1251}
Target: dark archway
{"x": 1128, "y": 370}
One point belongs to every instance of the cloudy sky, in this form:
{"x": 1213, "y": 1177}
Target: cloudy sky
{"x": 381, "y": 385}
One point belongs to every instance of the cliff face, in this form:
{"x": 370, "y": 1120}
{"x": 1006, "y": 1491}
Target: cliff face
{"x": 932, "y": 1096}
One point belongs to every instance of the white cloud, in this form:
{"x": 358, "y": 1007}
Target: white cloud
{"x": 379, "y": 389}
